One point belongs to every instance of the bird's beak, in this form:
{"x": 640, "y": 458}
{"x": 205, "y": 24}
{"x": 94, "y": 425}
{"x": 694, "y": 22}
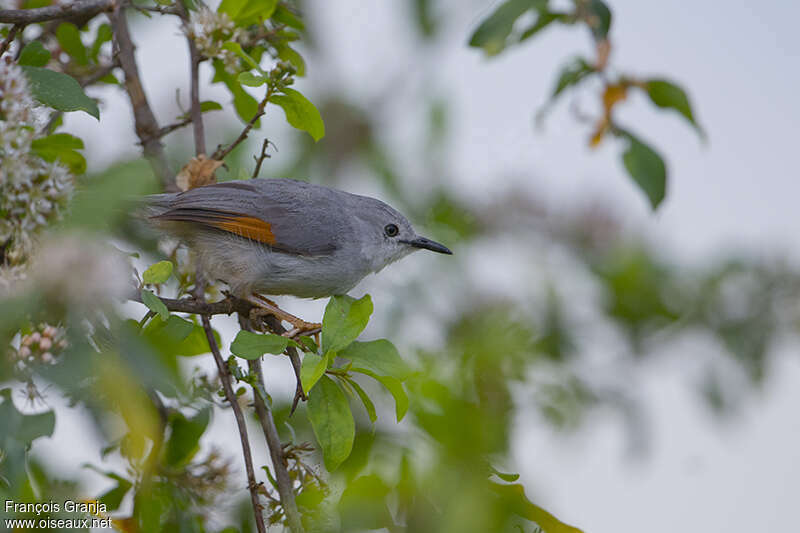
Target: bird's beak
{"x": 422, "y": 242}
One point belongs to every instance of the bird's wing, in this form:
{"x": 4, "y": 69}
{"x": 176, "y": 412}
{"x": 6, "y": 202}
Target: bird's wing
{"x": 281, "y": 214}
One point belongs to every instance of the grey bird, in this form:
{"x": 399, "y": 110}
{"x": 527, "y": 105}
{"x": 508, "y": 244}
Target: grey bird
{"x": 286, "y": 237}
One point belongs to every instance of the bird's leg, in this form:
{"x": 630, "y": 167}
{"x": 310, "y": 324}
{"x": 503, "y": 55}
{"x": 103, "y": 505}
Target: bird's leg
{"x": 265, "y": 306}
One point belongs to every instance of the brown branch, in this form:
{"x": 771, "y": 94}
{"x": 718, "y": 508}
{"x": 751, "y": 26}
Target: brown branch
{"x": 144, "y": 120}
{"x": 230, "y": 395}
{"x": 221, "y": 152}
{"x": 260, "y": 158}
{"x": 279, "y": 463}
{"x": 79, "y": 9}
{"x": 12, "y": 33}
{"x": 165, "y": 130}
{"x": 194, "y": 59}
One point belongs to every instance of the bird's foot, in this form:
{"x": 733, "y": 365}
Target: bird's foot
{"x": 265, "y": 306}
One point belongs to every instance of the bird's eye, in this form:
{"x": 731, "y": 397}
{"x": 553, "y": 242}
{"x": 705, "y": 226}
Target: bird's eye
{"x": 391, "y": 230}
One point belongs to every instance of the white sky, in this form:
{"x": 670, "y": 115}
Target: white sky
{"x": 739, "y": 62}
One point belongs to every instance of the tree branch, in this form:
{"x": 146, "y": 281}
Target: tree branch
{"x": 221, "y": 152}
{"x": 80, "y": 9}
{"x": 194, "y": 59}
{"x": 225, "y": 378}
{"x": 12, "y": 33}
{"x": 279, "y": 464}
{"x": 260, "y": 158}
{"x": 144, "y": 120}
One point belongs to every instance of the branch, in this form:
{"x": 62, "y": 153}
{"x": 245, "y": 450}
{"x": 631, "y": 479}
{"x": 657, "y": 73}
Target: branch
{"x": 264, "y": 155}
{"x": 194, "y": 59}
{"x": 80, "y": 9}
{"x": 221, "y": 152}
{"x": 12, "y": 33}
{"x": 144, "y": 120}
{"x": 230, "y": 395}
{"x": 279, "y": 464}
{"x": 172, "y": 127}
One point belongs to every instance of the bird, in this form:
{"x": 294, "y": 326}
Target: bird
{"x": 277, "y": 236}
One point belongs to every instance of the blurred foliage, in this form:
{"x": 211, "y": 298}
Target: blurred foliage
{"x": 436, "y": 463}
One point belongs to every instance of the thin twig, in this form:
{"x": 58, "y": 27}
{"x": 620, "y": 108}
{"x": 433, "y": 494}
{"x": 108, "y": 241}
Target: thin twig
{"x": 165, "y": 130}
{"x": 221, "y": 152}
{"x": 144, "y": 120}
{"x": 225, "y": 378}
{"x": 260, "y": 158}
{"x": 12, "y": 33}
{"x": 194, "y": 59}
{"x": 279, "y": 464}
{"x": 161, "y": 10}
{"x": 79, "y": 9}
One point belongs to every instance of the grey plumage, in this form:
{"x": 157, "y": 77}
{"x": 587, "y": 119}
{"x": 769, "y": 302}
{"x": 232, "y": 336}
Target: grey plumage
{"x": 281, "y": 236}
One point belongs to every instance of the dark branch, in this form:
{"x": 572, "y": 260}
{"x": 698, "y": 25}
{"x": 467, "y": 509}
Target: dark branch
{"x": 279, "y": 463}
{"x": 221, "y": 152}
{"x": 85, "y": 10}
{"x": 144, "y": 120}
{"x": 194, "y": 61}
{"x": 12, "y": 33}
{"x": 166, "y": 130}
{"x": 260, "y": 158}
{"x": 230, "y": 396}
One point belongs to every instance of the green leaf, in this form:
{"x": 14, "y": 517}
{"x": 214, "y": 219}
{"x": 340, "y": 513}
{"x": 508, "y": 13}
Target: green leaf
{"x": 332, "y": 421}
{"x": 70, "y": 40}
{"x": 300, "y": 113}
{"x": 380, "y": 356}
{"x": 513, "y": 497}
{"x": 283, "y": 16}
{"x": 505, "y": 477}
{"x": 492, "y": 34}
{"x": 363, "y": 505}
{"x": 244, "y": 12}
{"x": 245, "y": 105}
{"x": 251, "y": 80}
{"x": 344, "y": 320}
{"x": 112, "y": 498}
{"x": 155, "y": 304}
{"x": 249, "y": 345}
{"x": 600, "y": 20}
{"x": 178, "y": 336}
{"x": 184, "y": 441}
{"x": 157, "y": 273}
{"x": 34, "y": 55}
{"x": 646, "y": 168}
{"x": 236, "y": 48}
{"x": 104, "y": 35}
{"x": 22, "y": 428}
{"x": 311, "y": 370}
{"x": 395, "y": 388}
{"x": 543, "y": 20}
{"x": 59, "y": 91}
{"x": 287, "y": 53}
{"x": 666, "y": 94}
{"x": 365, "y": 399}
{"x": 62, "y": 147}
{"x": 231, "y": 7}
{"x": 572, "y": 73}
{"x": 205, "y": 105}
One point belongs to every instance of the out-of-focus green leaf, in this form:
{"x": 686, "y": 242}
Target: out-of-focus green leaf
{"x": 647, "y": 169}
{"x": 244, "y": 12}
{"x": 505, "y": 477}
{"x": 572, "y": 73}
{"x": 599, "y": 19}
{"x": 300, "y": 113}
{"x": 236, "y": 48}
{"x": 365, "y": 399}
{"x": 231, "y": 7}
{"x": 205, "y": 105}
{"x": 157, "y": 273}
{"x": 363, "y": 505}
{"x": 59, "y": 91}
{"x": 70, "y": 40}
{"x": 19, "y": 427}
{"x": 513, "y": 497}
{"x": 155, "y": 304}
{"x": 492, "y": 34}
{"x": 423, "y": 15}
{"x": 344, "y": 320}
{"x": 113, "y": 497}
{"x": 184, "y": 441}
{"x": 178, "y": 336}
{"x": 332, "y": 422}
{"x": 311, "y": 370}
{"x": 395, "y": 388}
{"x": 34, "y": 55}
{"x": 287, "y": 53}
{"x": 543, "y": 20}
{"x": 251, "y": 80}
{"x": 380, "y": 356}
{"x": 104, "y": 35}
{"x": 249, "y": 345}
{"x": 62, "y": 147}
{"x": 245, "y": 105}
{"x": 283, "y": 15}
{"x": 668, "y": 95}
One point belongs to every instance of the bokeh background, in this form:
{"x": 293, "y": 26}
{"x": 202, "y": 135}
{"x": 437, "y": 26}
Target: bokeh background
{"x": 666, "y": 396}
